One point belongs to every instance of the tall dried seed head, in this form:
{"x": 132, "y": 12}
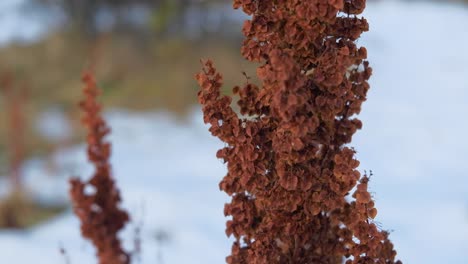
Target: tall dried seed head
{"x": 99, "y": 213}
{"x": 290, "y": 172}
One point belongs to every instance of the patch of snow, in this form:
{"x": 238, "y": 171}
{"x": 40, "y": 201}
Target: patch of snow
{"x": 20, "y": 26}
{"x": 53, "y": 125}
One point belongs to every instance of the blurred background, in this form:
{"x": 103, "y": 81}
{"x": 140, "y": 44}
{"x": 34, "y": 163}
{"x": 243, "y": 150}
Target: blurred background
{"x": 145, "y": 55}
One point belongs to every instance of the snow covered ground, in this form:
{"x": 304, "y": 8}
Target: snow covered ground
{"x": 414, "y": 141}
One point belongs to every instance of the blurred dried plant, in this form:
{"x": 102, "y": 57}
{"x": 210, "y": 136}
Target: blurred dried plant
{"x": 15, "y": 97}
{"x": 96, "y": 201}
{"x": 14, "y": 205}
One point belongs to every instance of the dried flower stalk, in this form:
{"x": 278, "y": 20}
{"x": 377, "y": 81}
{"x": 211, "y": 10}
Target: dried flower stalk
{"x": 96, "y": 201}
{"x": 290, "y": 173}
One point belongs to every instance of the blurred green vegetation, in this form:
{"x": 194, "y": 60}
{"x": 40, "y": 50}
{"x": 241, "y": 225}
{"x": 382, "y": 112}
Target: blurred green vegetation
{"x": 157, "y": 74}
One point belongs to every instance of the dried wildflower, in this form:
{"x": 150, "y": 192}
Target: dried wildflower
{"x": 290, "y": 172}
{"x": 96, "y": 201}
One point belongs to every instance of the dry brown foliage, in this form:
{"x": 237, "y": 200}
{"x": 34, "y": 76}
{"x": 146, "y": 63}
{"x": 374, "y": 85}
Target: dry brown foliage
{"x": 291, "y": 175}
{"x": 15, "y": 97}
{"x": 96, "y": 202}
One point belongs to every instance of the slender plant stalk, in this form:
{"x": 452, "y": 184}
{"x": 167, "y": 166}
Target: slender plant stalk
{"x": 96, "y": 201}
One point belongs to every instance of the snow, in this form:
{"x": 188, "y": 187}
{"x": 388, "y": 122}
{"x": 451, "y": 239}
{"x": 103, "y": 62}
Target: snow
{"x": 414, "y": 128}
{"x": 413, "y": 140}
{"x": 21, "y": 26}
{"x": 53, "y": 125}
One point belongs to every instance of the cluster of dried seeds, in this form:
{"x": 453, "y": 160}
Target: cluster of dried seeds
{"x": 291, "y": 174}
{"x": 96, "y": 201}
